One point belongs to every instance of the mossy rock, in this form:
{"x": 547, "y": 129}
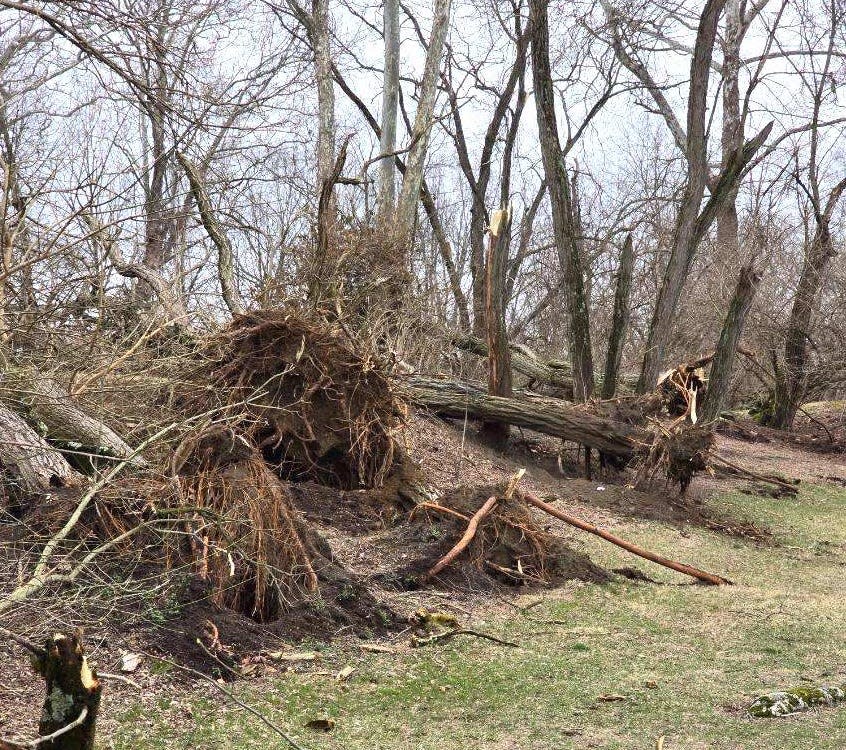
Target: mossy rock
{"x": 786, "y": 702}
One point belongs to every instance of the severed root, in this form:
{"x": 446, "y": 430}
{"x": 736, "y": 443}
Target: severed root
{"x": 465, "y": 540}
{"x": 784, "y": 703}
{"x": 689, "y": 570}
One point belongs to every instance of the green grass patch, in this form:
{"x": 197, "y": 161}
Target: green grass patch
{"x": 613, "y": 666}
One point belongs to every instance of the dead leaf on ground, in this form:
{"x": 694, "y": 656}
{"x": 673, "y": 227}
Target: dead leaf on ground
{"x": 344, "y": 673}
{"x": 611, "y": 698}
{"x": 302, "y": 656}
{"x": 377, "y": 648}
{"x": 130, "y": 661}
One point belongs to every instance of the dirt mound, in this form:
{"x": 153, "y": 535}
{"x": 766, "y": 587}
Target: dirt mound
{"x": 318, "y": 408}
{"x": 509, "y": 546}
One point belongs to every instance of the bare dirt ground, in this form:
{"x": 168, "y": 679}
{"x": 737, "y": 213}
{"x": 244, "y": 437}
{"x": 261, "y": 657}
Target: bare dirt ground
{"x": 451, "y": 456}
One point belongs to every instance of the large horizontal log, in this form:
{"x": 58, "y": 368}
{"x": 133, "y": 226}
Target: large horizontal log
{"x": 544, "y": 414}
{"x": 46, "y": 404}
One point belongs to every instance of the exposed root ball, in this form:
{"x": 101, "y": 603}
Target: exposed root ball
{"x": 317, "y": 408}
{"x": 242, "y": 534}
{"x": 509, "y": 545}
{"x": 681, "y": 453}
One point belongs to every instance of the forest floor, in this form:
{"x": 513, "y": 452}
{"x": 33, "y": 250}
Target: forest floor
{"x": 616, "y": 665}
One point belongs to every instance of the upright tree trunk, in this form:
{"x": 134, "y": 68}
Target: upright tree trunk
{"x": 791, "y": 382}
{"x": 390, "y": 101}
{"x": 620, "y": 319}
{"x": 721, "y": 365}
{"x": 423, "y": 120}
{"x": 562, "y": 208}
{"x": 325, "y": 93}
{"x": 499, "y": 353}
{"x": 685, "y": 238}
{"x": 733, "y": 131}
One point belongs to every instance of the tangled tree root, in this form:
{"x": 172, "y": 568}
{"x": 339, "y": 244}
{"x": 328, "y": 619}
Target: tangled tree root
{"x": 508, "y": 546}
{"x": 316, "y": 407}
{"x": 679, "y": 453}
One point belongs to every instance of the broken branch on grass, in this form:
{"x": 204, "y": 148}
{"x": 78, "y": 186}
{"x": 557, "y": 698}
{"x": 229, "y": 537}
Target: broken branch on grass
{"x": 229, "y": 694}
{"x": 446, "y": 635}
{"x": 768, "y": 478}
{"x": 701, "y": 575}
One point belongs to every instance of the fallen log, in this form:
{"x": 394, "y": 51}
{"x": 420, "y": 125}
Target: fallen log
{"x": 550, "y": 416}
{"x": 46, "y": 404}
{"x": 689, "y": 570}
{"x": 555, "y": 374}
{"x": 29, "y": 465}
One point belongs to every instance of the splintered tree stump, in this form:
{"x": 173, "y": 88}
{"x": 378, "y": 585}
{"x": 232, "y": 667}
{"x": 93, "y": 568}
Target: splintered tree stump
{"x": 73, "y": 691}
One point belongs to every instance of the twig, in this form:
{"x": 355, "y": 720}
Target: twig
{"x": 460, "y": 631}
{"x": 791, "y": 488}
{"x": 714, "y": 580}
{"x": 237, "y": 701}
{"x": 47, "y": 737}
{"x": 120, "y": 678}
{"x": 21, "y": 641}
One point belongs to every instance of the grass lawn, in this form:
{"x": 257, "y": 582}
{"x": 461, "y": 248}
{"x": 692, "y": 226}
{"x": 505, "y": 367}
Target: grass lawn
{"x": 686, "y": 659}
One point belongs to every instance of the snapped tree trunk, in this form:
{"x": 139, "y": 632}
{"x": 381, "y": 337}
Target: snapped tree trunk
{"x": 499, "y": 353}
{"x": 620, "y": 320}
{"x": 73, "y": 691}
{"x": 721, "y": 365}
{"x": 423, "y": 121}
{"x": 563, "y": 219}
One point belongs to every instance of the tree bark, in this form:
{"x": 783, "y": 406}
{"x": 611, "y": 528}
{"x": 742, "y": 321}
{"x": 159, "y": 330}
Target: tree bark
{"x": 29, "y": 465}
{"x": 47, "y": 404}
{"x": 72, "y": 688}
{"x": 390, "y": 101}
{"x": 619, "y": 320}
{"x": 225, "y": 259}
{"x": 499, "y": 353}
{"x": 325, "y": 93}
{"x": 792, "y": 379}
{"x": 547, "y": 415}
{"x": 423, "y": 120}
{"x": 721, "y": 365}
{"x": 562, "y": 209}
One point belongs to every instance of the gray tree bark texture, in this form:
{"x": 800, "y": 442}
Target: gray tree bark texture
{"x": 563, "y": 222}
{"x": 325, "y": 92}
{"x": 792, "y": 379}
{"x": 29, "y": 465}
{"x": 726, "y": 352}
{"x": 550, "y": 416}
{"x": 45, "y": 403}
{"x": 422, "y": 128}
{"x": 390, "y": 103}
{"x": 619, "y": 320}
{"x": 499, "y": 353}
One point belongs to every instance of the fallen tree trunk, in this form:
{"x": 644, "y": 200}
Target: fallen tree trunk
{"x": 550, "y": 416}
{"x": 43, "y": 402}
{"x": 689, "y": 570}
{"x": 29, "y": 465}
